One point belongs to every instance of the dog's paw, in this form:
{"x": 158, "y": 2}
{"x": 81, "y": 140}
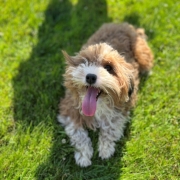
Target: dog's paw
{"x": 82, "y": 160}
{"x": 106, "y": 150}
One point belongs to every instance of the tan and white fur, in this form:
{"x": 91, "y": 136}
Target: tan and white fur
{"x": 101, "y": 87}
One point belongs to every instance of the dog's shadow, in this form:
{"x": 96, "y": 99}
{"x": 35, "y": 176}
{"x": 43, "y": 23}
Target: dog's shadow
{"x": 38, "y": 88}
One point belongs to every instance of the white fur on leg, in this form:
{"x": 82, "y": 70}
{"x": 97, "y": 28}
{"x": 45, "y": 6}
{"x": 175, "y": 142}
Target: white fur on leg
{"x": 80, "y": 140}
{"x": 106, "y": 148}
{"x": 111, "y": 129}
{"x": 63, "y": 120}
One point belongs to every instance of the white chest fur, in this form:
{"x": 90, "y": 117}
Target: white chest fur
{"x": 107, "y": 116}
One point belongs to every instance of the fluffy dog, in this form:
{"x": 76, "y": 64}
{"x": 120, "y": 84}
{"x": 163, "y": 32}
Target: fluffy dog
{"x": 101, "y": 87}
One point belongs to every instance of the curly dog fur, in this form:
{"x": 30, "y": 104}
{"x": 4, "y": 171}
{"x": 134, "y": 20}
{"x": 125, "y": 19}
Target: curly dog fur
{"x": 101, "y": 87}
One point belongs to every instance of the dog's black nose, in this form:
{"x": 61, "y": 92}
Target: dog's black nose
{"x": 91, "y": 78}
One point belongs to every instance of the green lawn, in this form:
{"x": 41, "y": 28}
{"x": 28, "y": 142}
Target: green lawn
{"x": 32, "y": 144}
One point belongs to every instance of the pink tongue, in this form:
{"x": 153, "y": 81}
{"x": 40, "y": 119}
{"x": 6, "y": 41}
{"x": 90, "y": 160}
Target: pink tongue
{"x": 89, "y": 102}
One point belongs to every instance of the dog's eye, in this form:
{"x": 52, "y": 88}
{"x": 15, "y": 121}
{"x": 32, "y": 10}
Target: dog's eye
{"x": 109, "y": 68}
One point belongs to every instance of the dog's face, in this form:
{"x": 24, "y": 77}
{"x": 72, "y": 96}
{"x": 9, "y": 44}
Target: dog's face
{"x": 98, "y": 72}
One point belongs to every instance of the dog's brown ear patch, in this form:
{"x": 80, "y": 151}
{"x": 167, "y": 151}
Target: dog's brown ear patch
{"x": 70, "y": 59}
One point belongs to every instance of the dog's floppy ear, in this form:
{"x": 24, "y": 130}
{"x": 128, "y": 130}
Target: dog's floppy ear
{"x": 131, "y": 87}
{"x": 70, "y": 59}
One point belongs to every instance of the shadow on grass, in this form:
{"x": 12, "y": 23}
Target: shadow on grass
{"x": 134, "y": 19}
{"x": 38, "y": 87}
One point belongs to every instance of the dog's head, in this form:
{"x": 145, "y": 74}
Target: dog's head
{"x": 98, "y": 72}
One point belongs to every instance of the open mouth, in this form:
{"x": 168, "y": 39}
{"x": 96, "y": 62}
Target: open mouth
{"x": 99, "y": 91}
{"x": 90, "y": 100}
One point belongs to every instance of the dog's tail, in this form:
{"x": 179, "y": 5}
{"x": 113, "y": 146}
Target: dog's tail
{"x": 143, "y": 53}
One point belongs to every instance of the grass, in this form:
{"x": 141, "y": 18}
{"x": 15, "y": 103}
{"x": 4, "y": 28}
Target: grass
{"x": 32, "y": 144}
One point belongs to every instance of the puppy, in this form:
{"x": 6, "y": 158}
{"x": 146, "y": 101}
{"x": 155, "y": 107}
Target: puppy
{"x": 101, "y": 87}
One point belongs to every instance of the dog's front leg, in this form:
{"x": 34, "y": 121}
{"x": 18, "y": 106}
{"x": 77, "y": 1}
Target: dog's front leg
{"x": 80, "y": 140}
{"x": 110, "y": 131}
